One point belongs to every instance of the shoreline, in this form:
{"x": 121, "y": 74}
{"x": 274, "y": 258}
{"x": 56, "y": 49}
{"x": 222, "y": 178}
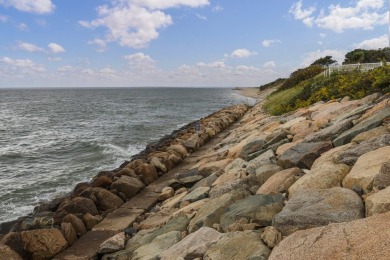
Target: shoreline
{"x": 251, "y": 92}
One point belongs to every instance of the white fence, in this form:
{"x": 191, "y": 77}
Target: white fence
{"x": 351, "y": 67}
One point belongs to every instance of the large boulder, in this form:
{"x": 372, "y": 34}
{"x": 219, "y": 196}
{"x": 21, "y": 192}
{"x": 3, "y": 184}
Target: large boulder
{"x": 103, "y": 199}
{"x": 129, "y": 186}
{"x": 366, "y": 169}
{"x": 194, "y": 245}
{"x": 250, "y": 246}
{"x": 366, "y": 238}
{"x": 251, "y": 146}
{"x": 303, "y": 154}
{"x": 382, "y": 180}
{"x": 351, "y": 155}
{"x": 325, "y": 172}
{"x": 365, "y": 125}
{"x": 78, "y": 224}
{"x": 211, "y": 212}
{"x": 208, "y": 168}
{"x": 79, "y": 206}
{"x": 258, "y": 209}
{"x": 281, "y": 181}
{"x": 113, "y": 244}
{"x": 331, "y": 132}
{"x": 69, "y": 233}
{"x": 147, "y": 172}
{"x": 158, "y": 245}
{"x": 7, "y": 253}
{"x": 44, "y": 243}
{"x": 378, "y": 202}
{"x": 267, "y": 157}
{"x": 316, "y": 207}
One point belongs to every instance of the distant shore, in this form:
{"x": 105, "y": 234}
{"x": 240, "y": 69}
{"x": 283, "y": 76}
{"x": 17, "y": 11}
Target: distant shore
{"x": 248, "y": 92}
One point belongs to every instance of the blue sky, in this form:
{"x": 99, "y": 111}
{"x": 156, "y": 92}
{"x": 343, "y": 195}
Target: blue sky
{"x": 195, "y": 43}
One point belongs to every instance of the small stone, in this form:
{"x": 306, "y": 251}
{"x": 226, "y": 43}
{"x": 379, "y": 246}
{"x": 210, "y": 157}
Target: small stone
{"x": 271, "y": 236}
{"x": 113, "y": 244}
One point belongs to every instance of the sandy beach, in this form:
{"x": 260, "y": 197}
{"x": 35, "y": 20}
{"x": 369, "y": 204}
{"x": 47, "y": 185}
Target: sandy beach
{"x": 248, "y": 92}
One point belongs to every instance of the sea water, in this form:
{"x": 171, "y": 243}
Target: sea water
{"x": 52, "y": 139}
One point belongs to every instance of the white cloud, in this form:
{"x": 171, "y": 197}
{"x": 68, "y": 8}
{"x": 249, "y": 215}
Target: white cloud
{"x": 20, "y": 67}
{"x": 30, "y": 6}
{"x": 269, "y": 64}
{"x": 3, "y": 18}
{"x": 141, "y": 63}
{"x": 376, "y": 43}
{"x": 322, "y": 35}
{"x": 65, "y": 69}
{"x": 310, "y": 57}
{"x": 54, "y": 59}
{"x": 29, "y": 47}
{"x": 55, "y": 48}
{"x": 215, "y": 64}
{"x": 201, "y": 17}
{"x": 242, "y": 53}
{"x": 217, "y": 8}
{"x": 100, "y": 44}
{"x": 302, "y": 14}
{"x": 364, "y": 14}
{"x": 268, "y": 43}
{"x": 22, "y": 27}
{"x": 164, "y": 4}
{"x": 134, "y": 23}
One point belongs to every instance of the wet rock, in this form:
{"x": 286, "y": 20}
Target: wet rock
{"x": 101, "y": 181}
{"x": 90, "y": 221}
{"x": 80, "y": 187}
{"x": 14, "y": 241}
{"x": 303, "y": 154}
{"x": 315, "y": 207}
{"x": 258, "y": 209}
{"x": 192, "y": 246}
{"x": 103, "y": 199}
{"x": 79, "y": 206}
{"x": 68, "y": 232}
{"x": 126, "y": 172}
{"x": 9, "y": 254}
{"x": 158, "y": 165}
{"x": 77, "y": 224}
{"x": 366, "y": 169}
{"x": 44, "y": 243}
{"x": 179, "y": 149}
{"x": 129, "y": 186}
{"x": 280, "y": 182}
{"x": 250, "y": 246}
{"x": 359, "y": 239}
{"x": 147, "y": 172}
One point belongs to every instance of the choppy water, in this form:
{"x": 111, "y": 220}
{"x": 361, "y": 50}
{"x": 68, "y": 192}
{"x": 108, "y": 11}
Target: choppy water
{"x": 51, "y": 139}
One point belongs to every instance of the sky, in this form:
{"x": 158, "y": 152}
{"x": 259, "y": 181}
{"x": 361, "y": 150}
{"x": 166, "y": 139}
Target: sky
{"x": 178, "y": 43}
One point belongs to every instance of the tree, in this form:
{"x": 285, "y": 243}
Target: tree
{"x": 367, "y": 56}
{"x": 324, "y": 61}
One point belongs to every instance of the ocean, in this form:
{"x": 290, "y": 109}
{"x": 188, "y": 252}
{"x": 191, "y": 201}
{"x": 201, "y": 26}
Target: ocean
{"x": 52, "y": 139}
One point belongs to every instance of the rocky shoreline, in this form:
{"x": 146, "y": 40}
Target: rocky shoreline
{"x": 311, "y": 184}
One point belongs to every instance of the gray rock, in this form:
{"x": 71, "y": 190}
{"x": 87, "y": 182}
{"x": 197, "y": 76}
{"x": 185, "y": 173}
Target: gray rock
{"x": 253, "y": 145}
{"x": 316, "y": 207}
{"x": 206, "y": 182}
{"x": 159, "y": 244}
{"x": 194, "y": 245}
{"x": 303, "y": 155}
{"x": 236, "y": 165}
{"x": 128, "y": 186}
{"x": 267, "y": 157}
{"x": 350, "y": 156}
{"x": 211, "y": 212}
{"x": 367, "y": 124}
{"x": 238, "y": 185}
{"x": 258, "y": 209}
{"x": 238, "y": 245}
{"x": 198, "y": 194}
{"x": 189, "y": 181}
{"x": 382, "y": 180}
{"x": 331, "y": 132}
{"x": 264, "y": 172}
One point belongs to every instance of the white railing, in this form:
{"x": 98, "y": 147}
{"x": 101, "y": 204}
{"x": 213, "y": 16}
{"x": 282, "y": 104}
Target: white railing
{"x": 351, "y": 67}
